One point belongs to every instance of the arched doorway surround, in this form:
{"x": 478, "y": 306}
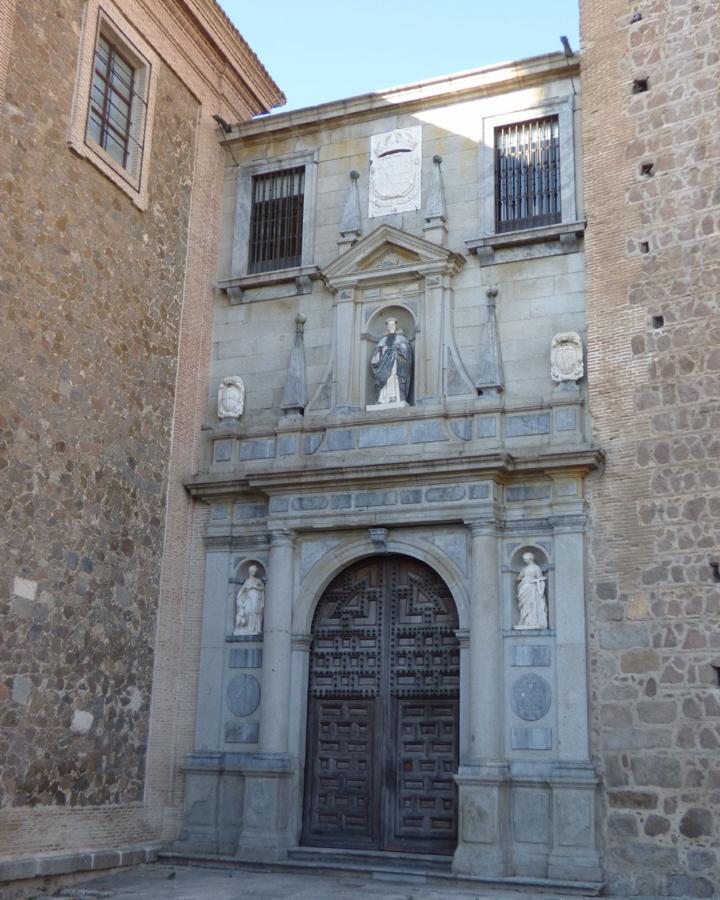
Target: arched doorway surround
{"x": 383, "y": 696}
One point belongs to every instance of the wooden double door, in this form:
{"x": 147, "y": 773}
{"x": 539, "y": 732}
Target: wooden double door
{"x": 384, "y": 680}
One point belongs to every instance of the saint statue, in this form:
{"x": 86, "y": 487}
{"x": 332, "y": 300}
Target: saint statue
{"x": 531, "y": 596}
{"x": 250, "y": 604}
{"x": 391, "y": 365}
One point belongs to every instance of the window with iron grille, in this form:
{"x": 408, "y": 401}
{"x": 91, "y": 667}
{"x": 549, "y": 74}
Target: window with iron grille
{"x": 276, "y": 222}
{"x": 111, "y": 121}
{"x": 527, "y": 174}
{"x": 111, "y": 102}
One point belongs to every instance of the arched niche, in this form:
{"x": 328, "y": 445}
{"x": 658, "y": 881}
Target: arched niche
{"x": 240, "y": 571}
{"x": 541, "y": 559}
{"x": 242, "y": 567}
{"x": 375, "y": 329}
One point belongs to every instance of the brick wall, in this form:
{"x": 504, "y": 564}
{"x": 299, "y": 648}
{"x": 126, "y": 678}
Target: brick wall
{"x": 653, "y": 266}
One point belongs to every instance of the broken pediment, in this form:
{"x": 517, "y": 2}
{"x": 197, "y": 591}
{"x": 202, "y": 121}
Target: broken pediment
{"x": 390, "y": 252}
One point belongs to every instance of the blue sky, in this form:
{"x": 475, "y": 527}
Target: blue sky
{"x": 320, "y": 50}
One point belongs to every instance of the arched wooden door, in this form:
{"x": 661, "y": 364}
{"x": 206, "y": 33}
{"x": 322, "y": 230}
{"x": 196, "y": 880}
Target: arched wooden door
{"x": 384, "y": 682}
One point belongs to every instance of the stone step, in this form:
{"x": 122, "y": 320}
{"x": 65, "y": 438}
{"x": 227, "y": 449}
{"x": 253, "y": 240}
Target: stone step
{"x": 372, "y": 859}
{"x": 404, "y": 868}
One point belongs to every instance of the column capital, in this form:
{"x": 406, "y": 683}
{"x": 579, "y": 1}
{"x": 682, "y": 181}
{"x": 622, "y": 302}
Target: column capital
{"x": 301, "y": 642}
{"x": 281, "y": 537}
{"x": 463, "y": 636}
{"x": 570, "y": 524}
{"x": 489, "y": 524}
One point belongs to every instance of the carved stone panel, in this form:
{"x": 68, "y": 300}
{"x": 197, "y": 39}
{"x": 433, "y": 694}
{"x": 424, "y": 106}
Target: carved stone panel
{"x": 479, "y": 818}
{"x": 395, "y": 163}
{"x": 243, "y": 695}
{"x": 530, "y": 697}
{"x": 566, "y": 357}
{"x": 231, "y": 397}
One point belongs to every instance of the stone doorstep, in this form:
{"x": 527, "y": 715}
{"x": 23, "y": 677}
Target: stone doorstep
{"x": 407, "y": 869}
{"x": 82, "y": 861}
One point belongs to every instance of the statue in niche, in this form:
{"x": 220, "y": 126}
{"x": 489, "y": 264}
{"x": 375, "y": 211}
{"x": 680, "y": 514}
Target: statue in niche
{"x": 531, "y": 596}
{"x": 391, "y": 366}
{"x": 231, "y": 397}
{"x": 250, "y": 604}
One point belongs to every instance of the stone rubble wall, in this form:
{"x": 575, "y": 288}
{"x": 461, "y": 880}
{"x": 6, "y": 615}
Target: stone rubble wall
{"x": 91, "y": 301}
{"x": 652, "y": 246}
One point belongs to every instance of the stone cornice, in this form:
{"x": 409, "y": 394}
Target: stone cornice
{"x": 432, "y": 92}
{"x": 500, "y": 465}
{"x": 216, "y": 53}
{"x": 237, "y": 54}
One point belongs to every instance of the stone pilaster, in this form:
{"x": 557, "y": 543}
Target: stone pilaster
{"x": 277, "y": 642}
{"x": 574, "y": 783}
{"x": 268, "y": 774}
{"x": 572, "y": 700}
{"x": 483, "y": 777}
{"x": 486, "y": 659}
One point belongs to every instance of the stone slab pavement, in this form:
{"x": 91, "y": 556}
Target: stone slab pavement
{"x": 166, "y": 882}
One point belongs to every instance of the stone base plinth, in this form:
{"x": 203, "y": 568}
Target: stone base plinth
{"x": 527, "y": 819}
{"x": 264, "y": 834}
{"x": 483, "y": 842}
{"x": 574, "y": 791}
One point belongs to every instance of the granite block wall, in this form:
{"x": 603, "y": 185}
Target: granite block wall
{"x": 538, "y": 295}
{"x": 650, "y": 134}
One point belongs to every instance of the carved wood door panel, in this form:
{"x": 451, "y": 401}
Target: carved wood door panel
{"x": 383, "y": 711}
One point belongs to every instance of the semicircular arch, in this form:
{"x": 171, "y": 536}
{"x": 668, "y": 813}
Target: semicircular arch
{"x": 340, "y": 558}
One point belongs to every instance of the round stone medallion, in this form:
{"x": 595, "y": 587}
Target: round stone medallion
{"x": 530, "y": 697}
{"x": 243, "y": 695}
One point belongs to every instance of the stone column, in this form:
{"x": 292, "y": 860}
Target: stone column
{"x": 574, "y": 783}
{"x": 268, "y": 774}
{"x": 483, "y": 840}
{"x": 569, "y": 619}
{"x": 486, "y": 649}
{"x": 277, "y": 645}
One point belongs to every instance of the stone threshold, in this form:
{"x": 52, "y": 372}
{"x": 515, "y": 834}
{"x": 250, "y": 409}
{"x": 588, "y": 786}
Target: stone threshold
{"x": 406, "y": 868}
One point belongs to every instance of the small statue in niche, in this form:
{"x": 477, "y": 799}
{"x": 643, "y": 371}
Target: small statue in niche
{"x": 231, "y": 397}
{"x": 391, "y": 366}
{"x": 532, "y": 604}
{"x": 250, "y": 604}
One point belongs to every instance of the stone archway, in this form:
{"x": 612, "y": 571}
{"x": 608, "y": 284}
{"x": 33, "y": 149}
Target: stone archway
{"x": 382, "y": 744}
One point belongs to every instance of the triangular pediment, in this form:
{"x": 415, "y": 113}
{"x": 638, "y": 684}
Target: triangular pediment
{"x": 388, "y": 252}
{"x": 387, "y": 256}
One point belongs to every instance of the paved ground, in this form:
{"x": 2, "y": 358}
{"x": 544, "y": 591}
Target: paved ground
{"x": 163, "y": 882}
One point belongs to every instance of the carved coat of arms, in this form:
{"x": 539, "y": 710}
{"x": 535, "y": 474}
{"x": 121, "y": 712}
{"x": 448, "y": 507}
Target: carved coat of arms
{"x": 566, "y": 357}
{"x": 395, "y": 162}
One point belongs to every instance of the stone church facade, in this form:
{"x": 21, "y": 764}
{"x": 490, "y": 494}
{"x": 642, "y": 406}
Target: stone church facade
{"x": 399, "y": 697}
{"x": 354, "y": 503}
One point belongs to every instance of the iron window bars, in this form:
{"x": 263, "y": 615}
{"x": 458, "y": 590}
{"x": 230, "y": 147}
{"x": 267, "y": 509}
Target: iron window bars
{"x": 527, "y": 174}
{"x": 276, "y": 221}
{"x": 112, "y": 103}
